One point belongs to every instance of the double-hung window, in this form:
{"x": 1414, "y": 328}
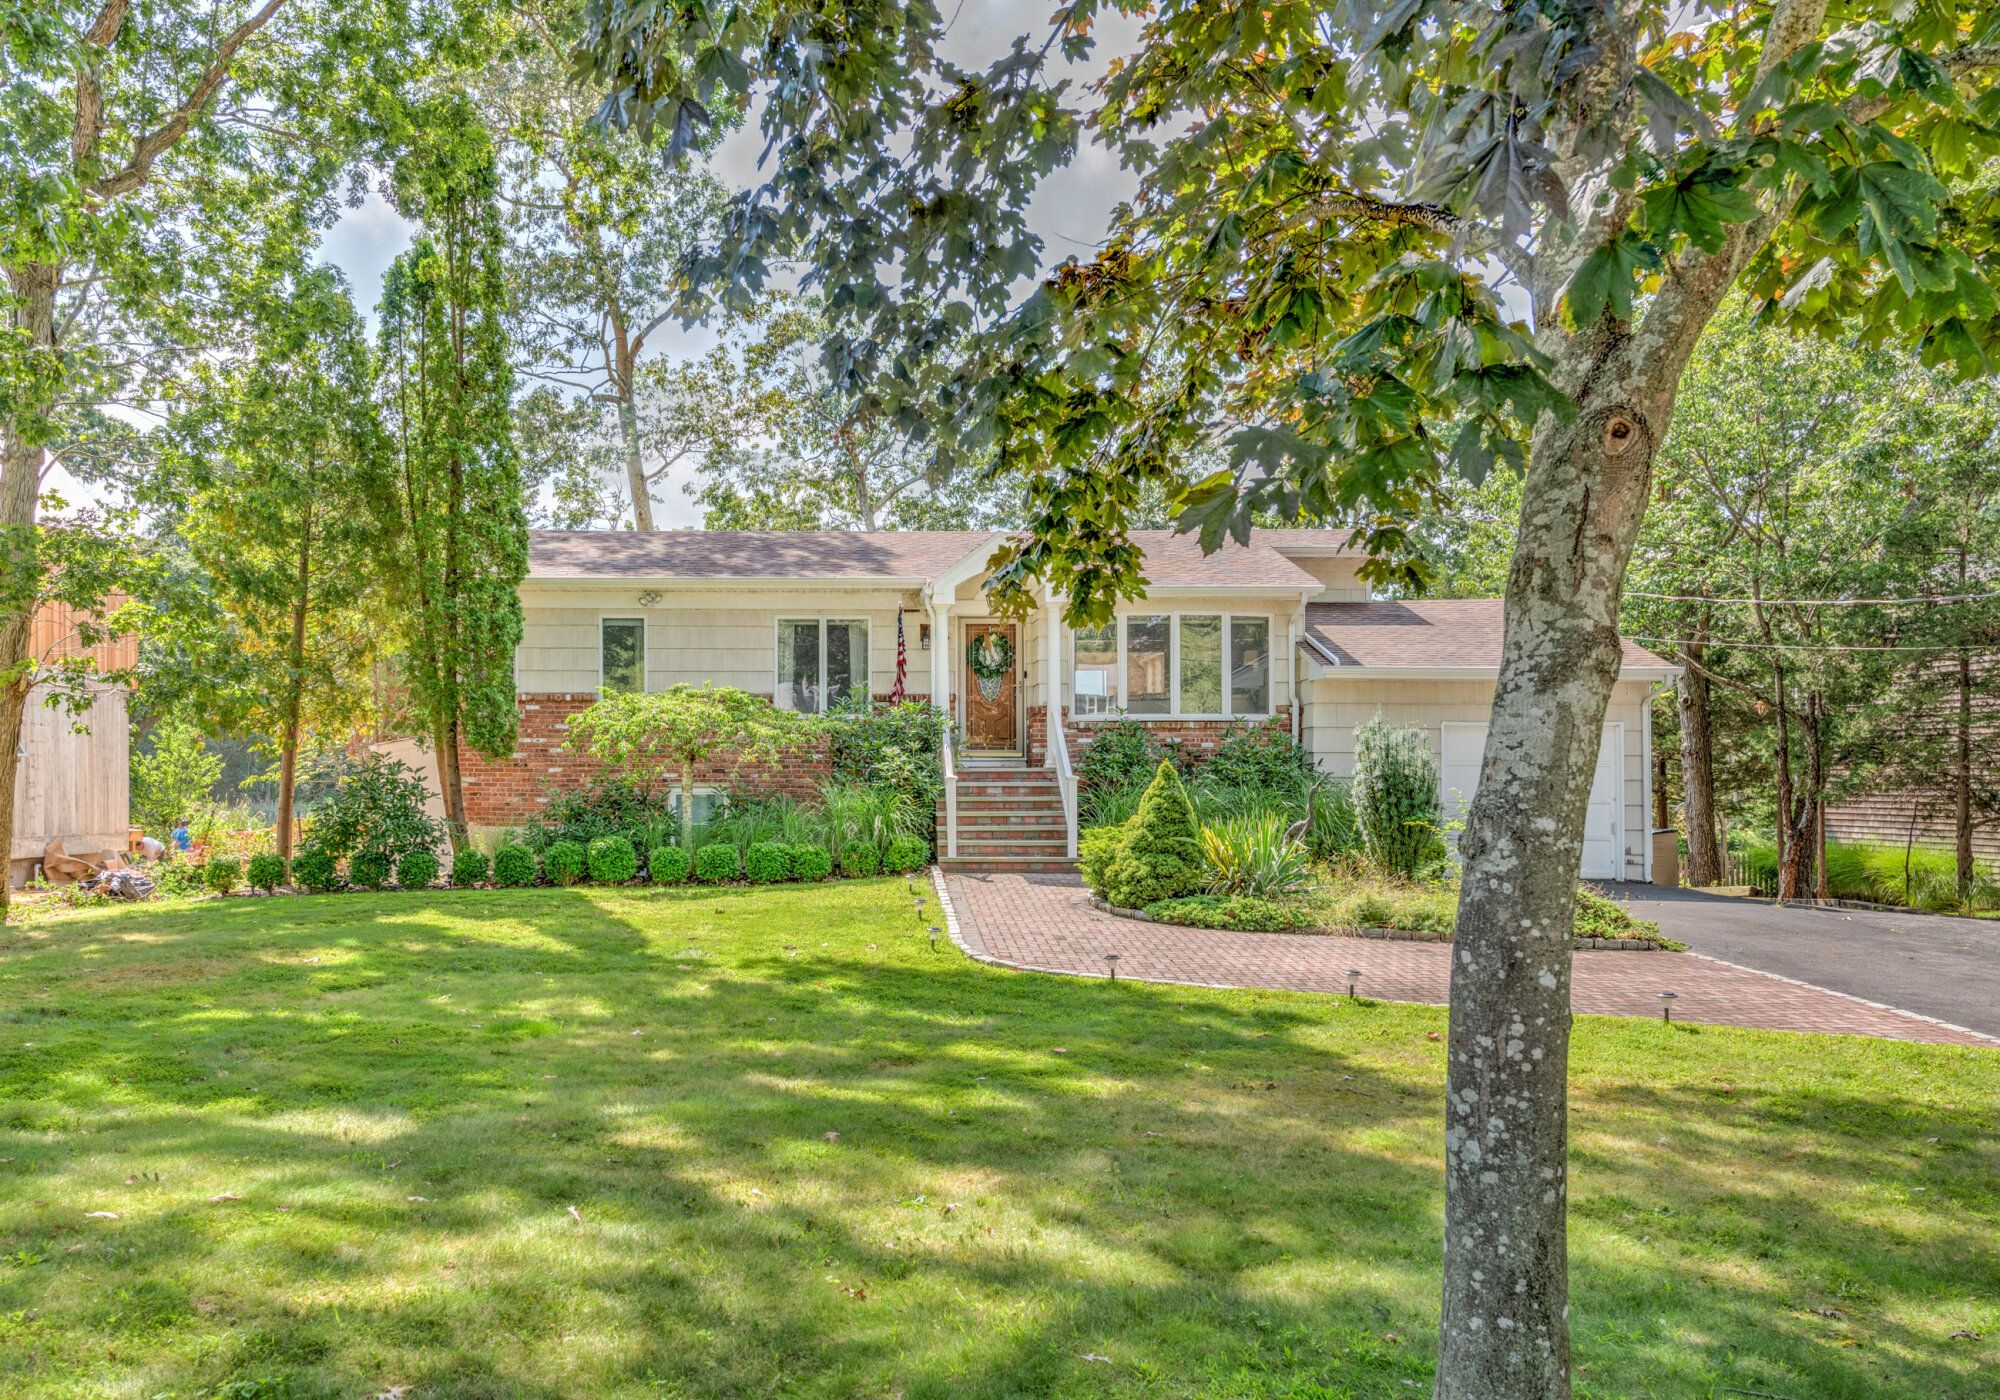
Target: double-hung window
{"x": 821, "y": 661}
{"x": 621, "y": 654}
{"x": 1174, "y": 665}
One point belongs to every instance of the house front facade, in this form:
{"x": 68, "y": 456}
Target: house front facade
{"x": 1279, "y": 631}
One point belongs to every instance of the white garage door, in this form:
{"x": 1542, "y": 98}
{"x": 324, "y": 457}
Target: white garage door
{"x": 1603, "y": 826}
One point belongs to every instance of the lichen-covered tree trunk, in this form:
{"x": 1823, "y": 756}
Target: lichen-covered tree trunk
{"x": 1504, "y": 1331}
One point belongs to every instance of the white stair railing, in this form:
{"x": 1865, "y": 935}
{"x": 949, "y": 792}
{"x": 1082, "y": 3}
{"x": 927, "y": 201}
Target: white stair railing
{"x": 950, "y": 793}
{"x": 1065, "y": 778}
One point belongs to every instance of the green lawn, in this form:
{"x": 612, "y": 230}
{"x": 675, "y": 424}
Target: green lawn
{"x": 587, "y": 1143}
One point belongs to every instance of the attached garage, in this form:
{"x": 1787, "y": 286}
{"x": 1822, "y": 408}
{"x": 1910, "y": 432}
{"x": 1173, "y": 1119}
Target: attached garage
{"x": 1463, "y": 747}
{"x": 1435, "y": 665}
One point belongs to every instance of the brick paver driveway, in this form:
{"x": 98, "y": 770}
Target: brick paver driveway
{"x": 1045, "y": 924}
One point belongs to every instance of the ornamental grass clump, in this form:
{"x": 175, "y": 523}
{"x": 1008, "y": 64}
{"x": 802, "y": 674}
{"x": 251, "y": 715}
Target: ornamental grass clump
{"x": 1158, "y": 852}
{"x": 417, "y": 870}
{"x": 1253, "y": 856}
{"x": 513, "y": 867}
{"x": 717, "y": 864}
{"x": 667, "y": 865}
{"x": 469, "y": 868}
{"x": 768, "y": 862}
{"x": 1395, "y": 794}
{"x": 266, "y": 871}
{"x": 612, "y": 860}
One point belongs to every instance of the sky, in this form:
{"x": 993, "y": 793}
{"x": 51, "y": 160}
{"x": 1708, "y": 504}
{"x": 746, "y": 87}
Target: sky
{"x": 1069, "y": 213}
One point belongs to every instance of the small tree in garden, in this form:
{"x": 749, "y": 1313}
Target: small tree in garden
{"x": 1159, "y": 854}
{"x": 650, "y": 735}
{"x": 1396, "y": 796}
{"x": 378, "y": 805}
{"x": 172, "y": 781}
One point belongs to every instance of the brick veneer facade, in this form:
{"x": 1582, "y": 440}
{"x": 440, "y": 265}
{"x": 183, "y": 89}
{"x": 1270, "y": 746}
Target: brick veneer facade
{"x": 509, "y": 791}
{"x": 1197, "y": 738}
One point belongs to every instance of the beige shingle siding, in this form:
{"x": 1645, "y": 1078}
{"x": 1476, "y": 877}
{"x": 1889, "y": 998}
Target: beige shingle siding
{"x": 1336, "y": 706}
{"x": 700, "y": 636}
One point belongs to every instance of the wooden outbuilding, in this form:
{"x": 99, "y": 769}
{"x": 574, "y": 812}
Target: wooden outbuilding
{"x": 75, "y": 774}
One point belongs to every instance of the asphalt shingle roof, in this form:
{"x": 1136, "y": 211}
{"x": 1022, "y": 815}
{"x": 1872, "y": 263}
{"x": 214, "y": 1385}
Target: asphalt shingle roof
{"x": 1422, "y": 634}
{"x": 1171, "y": 560}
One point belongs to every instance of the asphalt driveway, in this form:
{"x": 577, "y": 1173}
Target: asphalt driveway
{"x": 1927, "y": 963}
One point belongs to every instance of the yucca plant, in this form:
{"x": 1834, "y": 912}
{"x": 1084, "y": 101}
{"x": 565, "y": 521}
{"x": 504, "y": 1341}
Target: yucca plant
{"x": 1252, "y": 855}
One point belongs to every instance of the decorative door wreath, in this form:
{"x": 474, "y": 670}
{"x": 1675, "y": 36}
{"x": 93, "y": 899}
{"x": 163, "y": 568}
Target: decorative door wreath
{"x": 991, "y": 657}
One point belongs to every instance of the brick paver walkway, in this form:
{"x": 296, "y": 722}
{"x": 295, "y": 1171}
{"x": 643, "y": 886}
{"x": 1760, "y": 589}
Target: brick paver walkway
{"x": 1045, "y": 924}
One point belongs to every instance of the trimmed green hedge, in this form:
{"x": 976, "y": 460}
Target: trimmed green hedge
{"x": 417, "y": 871}
{"x": 768, "y": 862}
{"x": 612, "y": 860}
{"x": 368, "y": 869}
{"x": 513, "y": 867}
{"x": 266, "y": 871}
{"x": 563, "y": 862}
{"x": 811, "y": 863}
{"x": 469, "y": 868}
{"x": 715, "y": 865}
{"x": 667, "y": 865}
{"x": 316, "y": 870}
{"x": 906, "y": 852}
{"x": 861, "y": 859}
{"x": 222, "y": 874}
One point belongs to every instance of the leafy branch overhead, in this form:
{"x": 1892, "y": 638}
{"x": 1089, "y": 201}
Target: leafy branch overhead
{"x": 1336, "y": 205}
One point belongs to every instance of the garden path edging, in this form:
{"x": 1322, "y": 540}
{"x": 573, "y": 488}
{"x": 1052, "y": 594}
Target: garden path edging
{"x": 1388, "y": 935}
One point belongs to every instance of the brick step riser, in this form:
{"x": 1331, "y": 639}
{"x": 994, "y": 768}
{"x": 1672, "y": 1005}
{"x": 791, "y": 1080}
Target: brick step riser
{"x": 1026, "y": 831}
{"x": 961, "y": 866}
{"x": 1014, "y": 793}
{"x": 1035, "y": 850}
{"x": 1025, "y": 811}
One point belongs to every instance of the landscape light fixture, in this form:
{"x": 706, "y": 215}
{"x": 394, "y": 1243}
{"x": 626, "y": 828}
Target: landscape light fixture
{"x": 1353, "y": 976}
{"x": 1667, "y": 1007}
{"x": 1111, "y": 961}
{"x": 934, "y": 934}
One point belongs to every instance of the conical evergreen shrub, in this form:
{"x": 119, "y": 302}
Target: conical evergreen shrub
{"x": 1160, "y": 854}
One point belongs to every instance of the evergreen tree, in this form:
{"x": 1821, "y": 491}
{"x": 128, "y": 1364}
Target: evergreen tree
{"x": 456, "y": 547}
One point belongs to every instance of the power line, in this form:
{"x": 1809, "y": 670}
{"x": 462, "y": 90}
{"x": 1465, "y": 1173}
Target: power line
{"x": 1795, "y": 646}
{"x": 1820, "y": 602}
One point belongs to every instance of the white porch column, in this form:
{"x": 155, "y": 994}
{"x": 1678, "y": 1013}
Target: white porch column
{"x": 1051, "y": 675}
{"x": 941, "y": 655}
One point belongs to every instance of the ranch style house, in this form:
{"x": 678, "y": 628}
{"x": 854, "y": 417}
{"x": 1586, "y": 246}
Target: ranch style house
{"x": 1279, "y": 631}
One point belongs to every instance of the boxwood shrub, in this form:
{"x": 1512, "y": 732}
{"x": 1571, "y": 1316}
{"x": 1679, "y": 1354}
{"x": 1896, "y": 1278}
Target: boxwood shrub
{"x": 469, "y": 868}
{"x": 613, "y": 860}
{"x": 811, "y": 862}
{"x": 316, "y": 870}
{"x": 368, "y": 869}
{"x": 417, "y": 871}
{"x": 222, "y": 874}
{"x": 513, "y": 866}
{"x": 715, "y": 864}
{"x": 861, "y": 859}
{"x": 266, "y": 871}
{"x": 905, "y": 853}
{"x": 667, "y": 865}
{"x": 563, "y": 862}
{"x": 1226, "y": 911}
{"x": 768, "y": 862}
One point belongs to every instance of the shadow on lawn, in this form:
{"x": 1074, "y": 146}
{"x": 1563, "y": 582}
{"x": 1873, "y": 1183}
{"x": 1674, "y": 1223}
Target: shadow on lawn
{"x": 1124, "y": 1182}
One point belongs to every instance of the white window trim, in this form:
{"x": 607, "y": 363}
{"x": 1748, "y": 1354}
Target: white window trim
{"x": 1121, "y": 697}
{"x": 644, "y": 642}
{"x": 708, "y": 790}
{"x": 867, "y": 661}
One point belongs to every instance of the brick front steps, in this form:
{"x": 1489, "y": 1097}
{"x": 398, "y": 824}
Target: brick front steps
{"x": 1010, "y": 821}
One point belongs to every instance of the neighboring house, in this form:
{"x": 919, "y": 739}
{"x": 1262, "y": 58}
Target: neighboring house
{"x": 1279, "y": 631}
{"x": 73, "y": 786}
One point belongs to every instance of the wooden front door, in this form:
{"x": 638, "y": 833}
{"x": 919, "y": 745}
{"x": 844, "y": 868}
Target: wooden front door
{"x": 991, "y": 722}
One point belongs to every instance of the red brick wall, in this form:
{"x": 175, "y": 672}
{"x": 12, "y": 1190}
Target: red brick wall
{"x": 509, "y": 791}
{"x": 1197, "y": 738}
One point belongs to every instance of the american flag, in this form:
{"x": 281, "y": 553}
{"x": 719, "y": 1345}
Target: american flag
{"x": 902, "y": 662}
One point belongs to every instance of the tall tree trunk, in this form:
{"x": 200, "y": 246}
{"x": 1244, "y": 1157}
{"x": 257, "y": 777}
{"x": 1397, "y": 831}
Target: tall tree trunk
{"x": 1789, "y": 853}
{"x": 687, "y": 807}
{"x": 1704, "y": 857}
{"x": 1662, "y": 810}
{"x": 288, "y": 747}
{"x": 451, "y": 784}
{"x": 1962, "y": 780}
{"x": 1503, "y": 1332}
{"x": 33, "y": 318}
{"x": 635, "y": 466}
